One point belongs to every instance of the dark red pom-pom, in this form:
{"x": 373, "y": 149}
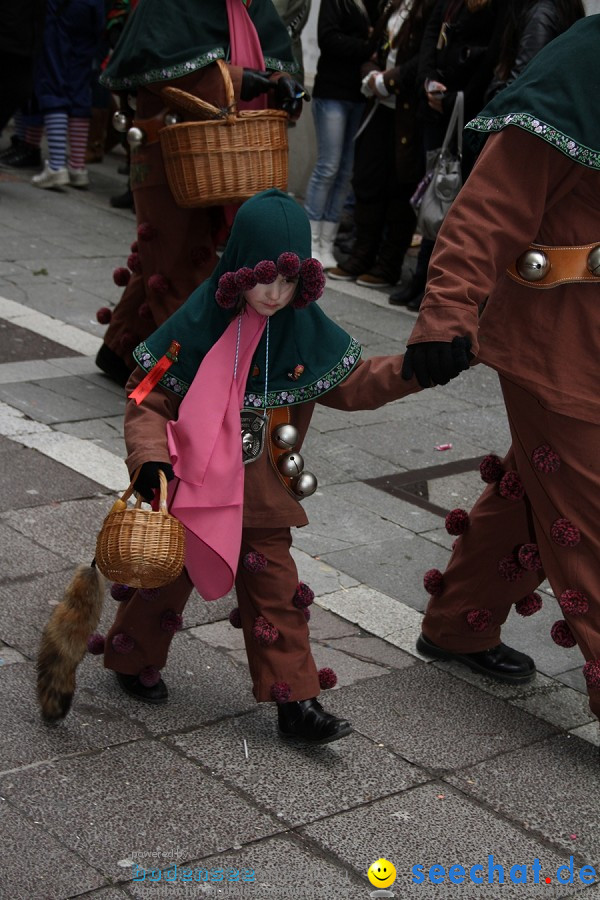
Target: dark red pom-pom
{"x": 171, "y": 622}
{"x": 288, "y": 265}
{"x": 254, "y": 562}
{"x": 511, "y": 486}
{"x": 281, "y": 692}
{"x": 144, "y": 311}
{"x": 149, "y": 594}
{"x": 120, "y": 592}
{"x": 245, "y": 279}
{"x": 263, "y": 632}
{"x": 265, "y": 271}
{"x": 303, "y": 596}
{"x": 149, "y": 676}
{"x": 313, "y": 281}
{"x": 509, "y": 569}
{"x": 134, "y": 262}
{"x": 545, "y": 459}
{"x": 135, "y": 247}
{"x": 591, "y": 673}
{"x": 103, "y": 315}
{"x": 306, "y": 614}
{"x": 227, "y": 291}
{"x": 479, "y": 619}
{"x": 327, "y": 678}
{"x": 235, "y": 617}
{"x": 491, "y": 469}
{"x": 529, "y": 605}
{"x": 564, "y": 533}
{"x": 122, "y": 643}
{"x": 529, "y": 557}
{"x": 433, "y": 582}
{"x": 158, "y": 283}
{"x": 121, "y": 276}
{"x": 95, "y": 644}
{"x": 573, "y": 603}
{"x": 146, "y": 231}
{"x": 457, "y": 521}
{"x": 562, "y": 635}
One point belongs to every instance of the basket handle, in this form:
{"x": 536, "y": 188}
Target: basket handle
{"x": 162, "y": 500}
{"x": 200, "y": 109}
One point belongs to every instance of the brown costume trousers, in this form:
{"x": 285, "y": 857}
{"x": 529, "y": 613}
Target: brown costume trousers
{"x": 499, "y": 526}
{"x": 268, "y": 593}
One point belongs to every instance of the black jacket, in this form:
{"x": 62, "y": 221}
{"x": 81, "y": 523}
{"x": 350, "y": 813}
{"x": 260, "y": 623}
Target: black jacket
{"x": 343, "y": 34}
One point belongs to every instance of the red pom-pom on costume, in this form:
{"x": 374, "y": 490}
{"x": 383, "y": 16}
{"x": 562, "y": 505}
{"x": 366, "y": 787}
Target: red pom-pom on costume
{"x": 288, "y": 265}
{"x": 491, "y": 468}
{"x": 312, "y": 282}
{"x": 254, "y": 562}
{"x": 149, "y": 594}
{"x": 545, "y": 459}
{"x": 265, "y": 271}
{"x": 144, "y": 311}
{"x": 235, "y": 617}
{"x": 134, "y": 262}
{"x": 104, "y": 315}
{"x": 135, "y": 247}
{"x": 591, "y": 673}
{"x": 149, "y": 676}
{"x": 121, "y": 276}
{"x": 479, "y": 619}
{"x": 509, "y": 569}
{"x": 327, "y": 678}
{"x": 564, "y": 533}
{"x": 511, "y": 486}
{"x": 146, "y": 231}
{"x": 562, "y": 635}
{"x": 303, "y": 596}
{"x": 573, "y": 603}
{"x": 529, "y": 605}
{"x": 457, "y": 521}
{"x": 263, "y": 632}
{"x": 281, "y": 692}
{"x": 95, "y": 644}
{"x": 306, "y": 614}
{"x": 245, "y": 279}
{"x": 120, "y": 592}
{"x": 227, "y": 291}
{"x": 171, "y": 622}
{"x": 122, "y": 643}
{"x": 433, "y": 582}
{"x": 158, "y": 283}
{"x": 529, "y": 557}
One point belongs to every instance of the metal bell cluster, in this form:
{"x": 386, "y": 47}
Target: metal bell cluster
{"x": 135, "y": 135}
{"x": 534, "y": 265}
{"x": 291, "y": 464}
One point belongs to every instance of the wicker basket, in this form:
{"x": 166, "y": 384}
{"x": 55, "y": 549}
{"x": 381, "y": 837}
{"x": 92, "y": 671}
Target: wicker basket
{"x": 227, "y": 156}
{"x": 140, "y": 547}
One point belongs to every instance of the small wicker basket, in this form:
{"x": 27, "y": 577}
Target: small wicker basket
{"x": 225, "y": 156}
{"x": 140, "y": 547}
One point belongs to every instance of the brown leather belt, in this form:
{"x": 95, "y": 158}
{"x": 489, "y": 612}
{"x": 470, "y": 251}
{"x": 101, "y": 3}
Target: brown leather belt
{"x": 151, "y": 127}
{"x": 541, "y": 266}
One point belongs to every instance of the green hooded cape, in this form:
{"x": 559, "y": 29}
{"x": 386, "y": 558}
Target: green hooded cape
{"x": 166, "y": 39}
{"x": 554, "y": 98}
{"x": 268, "y": 224}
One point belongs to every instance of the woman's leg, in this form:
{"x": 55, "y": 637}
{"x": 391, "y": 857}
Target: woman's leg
{"x": 330, "y": 125}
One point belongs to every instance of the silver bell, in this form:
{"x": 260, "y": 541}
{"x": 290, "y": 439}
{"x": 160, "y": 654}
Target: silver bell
{"x": 593, "y": 260}
{"x": 305, "y": 484}
{"x": 290, "y": 464}
{"x": 120, "y": 122}
{"x": 135, "y": 137}
{"x": 172, "y": 118}
{"x": 285, "y": 436}
{"x": 533, "y": 265}
{"x": 132, "y": 101}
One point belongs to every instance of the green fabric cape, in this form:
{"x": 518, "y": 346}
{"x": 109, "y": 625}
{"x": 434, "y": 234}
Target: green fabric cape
{"x": 164, "y": 40}
{"x": 268, "y": 224}
{"x": 554, "y": 97}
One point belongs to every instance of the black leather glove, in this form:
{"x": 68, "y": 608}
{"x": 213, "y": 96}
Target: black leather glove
{"x": 289, "y": 95}
{"x": 436, "y": 362}
{"x": 254, "y": 83}
{"x": 148, "y": 480}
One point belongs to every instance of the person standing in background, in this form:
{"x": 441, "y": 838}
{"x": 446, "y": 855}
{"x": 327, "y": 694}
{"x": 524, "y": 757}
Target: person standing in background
{"x": 294, "y": 15}
{"x": 21, "y": 38}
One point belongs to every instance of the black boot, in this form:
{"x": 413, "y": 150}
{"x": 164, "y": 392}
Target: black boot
{"x": 123, "y": 201}
{"x": 112, "y": 365}
{"x": 131, "y": 684}
{"x": 500, "y": 662}
{"x": 408, "y": 293}
{"x": 306, "y": 720}
{"x": 24, "y": 156}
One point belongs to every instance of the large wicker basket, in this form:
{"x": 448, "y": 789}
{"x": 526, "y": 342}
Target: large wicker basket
{"x": 140, "y": 547}
{"x": 225, "y": 156}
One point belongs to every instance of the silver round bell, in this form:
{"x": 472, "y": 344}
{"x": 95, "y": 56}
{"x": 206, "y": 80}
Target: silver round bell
{"x": 135, "y": 137}
{"x": 120, "y": 122}
{"x": 305, "y": 484}
{"x": 290, "y": 464}
{"x": 132, "y": 101}
{"x": 172, "y": 118}
{"x": 593, "y": 260}
{"x": 285, "y": 436}
{"x": 533, "y": 265}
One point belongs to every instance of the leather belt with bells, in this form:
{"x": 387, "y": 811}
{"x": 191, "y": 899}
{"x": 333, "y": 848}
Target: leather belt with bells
{"x": 542, "y": 266}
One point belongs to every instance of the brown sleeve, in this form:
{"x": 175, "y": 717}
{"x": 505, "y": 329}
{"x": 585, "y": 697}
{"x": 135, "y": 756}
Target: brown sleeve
{"x": 373, "y": 383}
{"x": 497, "y": 214}
{"x": 146, "y": 424}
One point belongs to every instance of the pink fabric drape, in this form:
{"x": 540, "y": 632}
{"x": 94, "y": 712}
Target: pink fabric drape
{"x": 245, "y": 47}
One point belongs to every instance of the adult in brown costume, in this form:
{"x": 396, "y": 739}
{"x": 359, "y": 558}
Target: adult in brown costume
{"x": 176, "y": 44}
{"x": 537, "y": 182}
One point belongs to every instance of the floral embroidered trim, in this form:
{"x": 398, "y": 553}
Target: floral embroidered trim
{"x": 579, "y": 152}
{"x": 147, "y": 361}
{"x": 180, "y": 69}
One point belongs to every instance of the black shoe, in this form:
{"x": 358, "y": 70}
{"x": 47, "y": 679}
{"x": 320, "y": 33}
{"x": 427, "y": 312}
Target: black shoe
{"x": 24, "y": 156}
{"x": 112, "y": 365}
{"x": 500, "y": 662}
{"x": 15, "y": 143}
{"x": 122, "y": 201}
{"x": 158, "y": 693}
{"x": 408, "y": 292}
{"x": 306, "y": 720}
{"x": 415, "y": 303}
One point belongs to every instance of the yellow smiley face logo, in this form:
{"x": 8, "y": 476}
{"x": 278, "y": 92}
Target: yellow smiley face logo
{"x": 381, "y": 873}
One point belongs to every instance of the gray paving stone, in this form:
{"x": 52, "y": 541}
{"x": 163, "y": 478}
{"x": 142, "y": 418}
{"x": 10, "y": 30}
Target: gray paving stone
{"x": 588, "y": 733}
{"x": 23, "y": 558}
{"x": 348, "y": 669}
{"x": 335, "y": 460}
{"x": 532, "y": 635}
{"x": 107, "y": 433}
{"x": 61, "y": 400}
{"x": 103, "y": 894}
{"x": 322, "y": 578}
{"x": 18, "y": 343}
{"x": 388, "y": 507}
{"x": 399, "y": 412}
{"x": 548, "y": 790}
{"x": 9, "y": 656}
{"x": 435, "y": 825}
{"x": 142, "y": 796}
{"x": 574, "y": 678}
{"x": 324, "y": 626}
{"x": 363, "y": 646}
{"x": 31, "y": 479}
{"x": 36, "y": 866}
{"x": 562, "y": 706}
{"x": 276, "y": 774}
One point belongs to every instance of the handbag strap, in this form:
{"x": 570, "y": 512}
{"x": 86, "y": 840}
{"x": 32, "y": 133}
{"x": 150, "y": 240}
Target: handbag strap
{"x": 456, "y": 123}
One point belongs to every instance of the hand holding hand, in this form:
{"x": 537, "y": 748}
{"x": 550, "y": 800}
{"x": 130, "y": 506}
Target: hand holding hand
{"x": 148, "y": 480}
{"x": 289, "y": 95}
{"x": 436, "y": 362}
{"x": 254, "y": 83}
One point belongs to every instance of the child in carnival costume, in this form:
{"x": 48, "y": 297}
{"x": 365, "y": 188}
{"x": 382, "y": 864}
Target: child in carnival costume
{"x": 251, "y": 339}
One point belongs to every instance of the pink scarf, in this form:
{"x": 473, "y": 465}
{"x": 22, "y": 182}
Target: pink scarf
{"x": 206, "y": 453}
{"x": 245, "y": 47}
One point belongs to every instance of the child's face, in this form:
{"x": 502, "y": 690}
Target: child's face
{"x": 267, "y": 299}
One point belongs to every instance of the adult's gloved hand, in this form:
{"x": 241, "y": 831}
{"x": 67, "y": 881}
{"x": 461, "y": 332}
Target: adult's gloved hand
{"x": 436, "y": 362}
{"x": 148, "y": 480}
{"x": 254, "y": 83}
{"x": 289, "y": 95}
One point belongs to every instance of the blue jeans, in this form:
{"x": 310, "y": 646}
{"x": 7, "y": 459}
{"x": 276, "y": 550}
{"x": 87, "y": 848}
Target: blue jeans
{"x": 336, "y": 123}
